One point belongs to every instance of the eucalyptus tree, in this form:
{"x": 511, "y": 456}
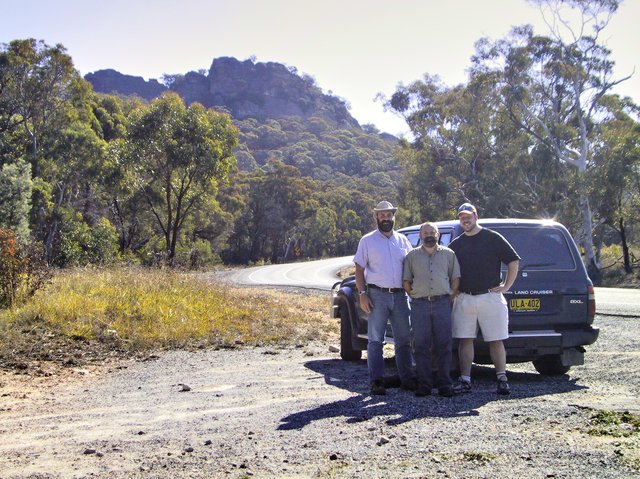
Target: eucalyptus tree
{"x": 46, "y": 119}
{"x": 36, "y": 85}
{"x": 616, "y": 186}
{"x": 175, "y": 156}
{"x": 553, "y": 88}
{"x": 466, "y": 149}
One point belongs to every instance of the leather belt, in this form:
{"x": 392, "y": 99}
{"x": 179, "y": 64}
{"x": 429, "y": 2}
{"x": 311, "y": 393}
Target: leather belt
{"x": 432, "y": 298}
{"x": 476, "y": 293}
{"x": 386, "y": 290}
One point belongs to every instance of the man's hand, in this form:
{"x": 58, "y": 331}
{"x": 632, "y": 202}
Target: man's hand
{"x": 365, "y": 303}
{"x": 499, "y": 289}
{"x": 408, "y": 286}
{"x": 512, "y": 272}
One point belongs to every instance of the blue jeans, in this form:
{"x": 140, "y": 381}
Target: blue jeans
{"x": 393, "y": 307}
{"x": 431, "y": 323}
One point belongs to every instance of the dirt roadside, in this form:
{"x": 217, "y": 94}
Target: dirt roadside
{"x": 302, "y": 412}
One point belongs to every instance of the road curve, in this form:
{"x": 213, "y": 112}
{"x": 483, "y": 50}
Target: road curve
{"x": 322, "y": 274}
{"x": 319, "y": 274}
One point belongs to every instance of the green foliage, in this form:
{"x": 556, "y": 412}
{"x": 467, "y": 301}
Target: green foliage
{"x": 322, "y": 234}
{"x": 468, "y": 149}
{"x": 22, "y": 270}
{"x": 159, "y": 180}
{"x": 175, "y": 155}
{"x": 553, "y": 88}
{"x": 83, "y": 245}
{"x": 534, "y": 133}
{"x": 36, "y": 88}
{"x": 324, "y": 152}
{"x": 158, "y": 172}
{"x": 279, "y": 201}
{"x": 46, "y": 113}
{"x": 15, "y": 198}
{"x": 201, "y": 255}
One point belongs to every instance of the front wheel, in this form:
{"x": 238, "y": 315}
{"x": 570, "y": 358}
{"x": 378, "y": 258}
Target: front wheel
{"x": 346, "y": 346}
{"x": 550, "y": 365}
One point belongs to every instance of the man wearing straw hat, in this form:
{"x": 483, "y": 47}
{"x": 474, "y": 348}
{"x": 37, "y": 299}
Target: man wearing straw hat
{"x": 379, "y": 260}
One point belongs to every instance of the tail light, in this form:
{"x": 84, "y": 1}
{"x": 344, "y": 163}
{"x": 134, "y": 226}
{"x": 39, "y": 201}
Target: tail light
{"x": 591, "y": 308}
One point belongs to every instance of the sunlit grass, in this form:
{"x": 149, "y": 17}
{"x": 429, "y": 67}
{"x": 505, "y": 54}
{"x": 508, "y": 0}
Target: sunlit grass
{"x": 141, "y": 309}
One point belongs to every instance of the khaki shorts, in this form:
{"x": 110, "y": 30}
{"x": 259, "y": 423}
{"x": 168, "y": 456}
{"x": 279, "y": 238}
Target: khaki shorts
{"x": 488, "y": 312}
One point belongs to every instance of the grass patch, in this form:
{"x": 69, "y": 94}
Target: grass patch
{"x": 616, "y": 424}
{"x": 131, "y": 310}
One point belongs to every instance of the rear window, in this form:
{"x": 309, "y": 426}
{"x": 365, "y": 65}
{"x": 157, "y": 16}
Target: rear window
{"x": 541, "y": 249}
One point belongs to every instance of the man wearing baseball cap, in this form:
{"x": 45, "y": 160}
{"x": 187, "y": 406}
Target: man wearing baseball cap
{"x": 379, "y": 260}
{"x": 480, "y": 303}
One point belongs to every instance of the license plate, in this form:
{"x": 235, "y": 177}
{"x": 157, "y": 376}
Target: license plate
{"x": 524, "y": 304}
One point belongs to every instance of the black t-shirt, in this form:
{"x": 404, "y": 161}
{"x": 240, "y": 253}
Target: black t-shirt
{"x": 480, "y": 256}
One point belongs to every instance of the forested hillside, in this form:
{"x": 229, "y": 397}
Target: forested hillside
{"x": 144, "y": 176}
{"x": 330, "y": 170}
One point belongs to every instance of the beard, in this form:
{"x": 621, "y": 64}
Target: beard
{"x": 385, "y": 225}
{"x": 430, "y": 241}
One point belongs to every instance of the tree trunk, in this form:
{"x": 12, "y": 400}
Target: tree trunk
{"x": 593, "y": 268}
{"x": 48, "y": 241}
{"x": 625, "y": 246}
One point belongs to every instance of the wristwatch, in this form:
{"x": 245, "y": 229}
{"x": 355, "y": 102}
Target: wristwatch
{"x": 362, "y": 292}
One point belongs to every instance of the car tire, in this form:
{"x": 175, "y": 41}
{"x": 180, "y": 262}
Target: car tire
{"x": 550, "y": 365}
{"x": 347, "y": 352}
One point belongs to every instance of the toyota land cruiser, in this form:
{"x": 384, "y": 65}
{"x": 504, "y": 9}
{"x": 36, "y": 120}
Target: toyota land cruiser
{"x": 551, "y": 303}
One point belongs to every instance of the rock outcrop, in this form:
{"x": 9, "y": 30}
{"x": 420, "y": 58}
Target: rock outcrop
{"x": 113, "y": 82}
{"x": 243, "y": 88}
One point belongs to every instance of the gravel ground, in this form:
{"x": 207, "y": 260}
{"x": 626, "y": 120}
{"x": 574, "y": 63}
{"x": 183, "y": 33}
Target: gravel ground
{"x": 302, "y": 412}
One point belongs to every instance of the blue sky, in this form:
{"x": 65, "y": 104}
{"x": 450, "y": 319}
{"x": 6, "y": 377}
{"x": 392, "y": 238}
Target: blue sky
{"x": 353, "y": 48}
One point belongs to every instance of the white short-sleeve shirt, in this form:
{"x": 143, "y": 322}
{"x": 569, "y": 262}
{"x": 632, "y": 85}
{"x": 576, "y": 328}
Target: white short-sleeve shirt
{"x": 382, "y": 258}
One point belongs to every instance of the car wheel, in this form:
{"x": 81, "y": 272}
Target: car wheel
{"x": 346, "y": 346}
{"x": 550, "y": 365}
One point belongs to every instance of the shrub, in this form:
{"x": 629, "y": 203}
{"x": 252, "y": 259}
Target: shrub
{"x": 610, "y": 255}
{"x": 82, "y": 245}
{"x": 23, "y": 269}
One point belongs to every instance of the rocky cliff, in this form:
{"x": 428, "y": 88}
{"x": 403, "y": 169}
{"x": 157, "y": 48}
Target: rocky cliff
{"x": 243, "y": 88}
{"x": 113, "y": 82}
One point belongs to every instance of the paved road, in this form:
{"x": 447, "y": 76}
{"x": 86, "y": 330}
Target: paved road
{"x": 321, "y": 274}
{"x": 618, "y": 301}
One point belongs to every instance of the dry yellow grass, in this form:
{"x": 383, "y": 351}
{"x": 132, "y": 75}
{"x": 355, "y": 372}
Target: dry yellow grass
{"x": 137, "y": 309}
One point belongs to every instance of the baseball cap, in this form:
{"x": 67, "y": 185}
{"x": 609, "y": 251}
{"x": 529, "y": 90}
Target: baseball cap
{"x": 467, "y": 209}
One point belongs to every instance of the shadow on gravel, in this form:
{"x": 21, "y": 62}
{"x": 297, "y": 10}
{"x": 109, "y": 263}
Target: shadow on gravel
{"x": 401, "y": 406}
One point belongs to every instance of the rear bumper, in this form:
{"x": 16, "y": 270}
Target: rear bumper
{"x": 522, "y": 346}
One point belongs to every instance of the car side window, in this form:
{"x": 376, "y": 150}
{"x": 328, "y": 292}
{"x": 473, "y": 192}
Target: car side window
{"x": 413, "y": 236}
{"x": 445, "y": 238}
